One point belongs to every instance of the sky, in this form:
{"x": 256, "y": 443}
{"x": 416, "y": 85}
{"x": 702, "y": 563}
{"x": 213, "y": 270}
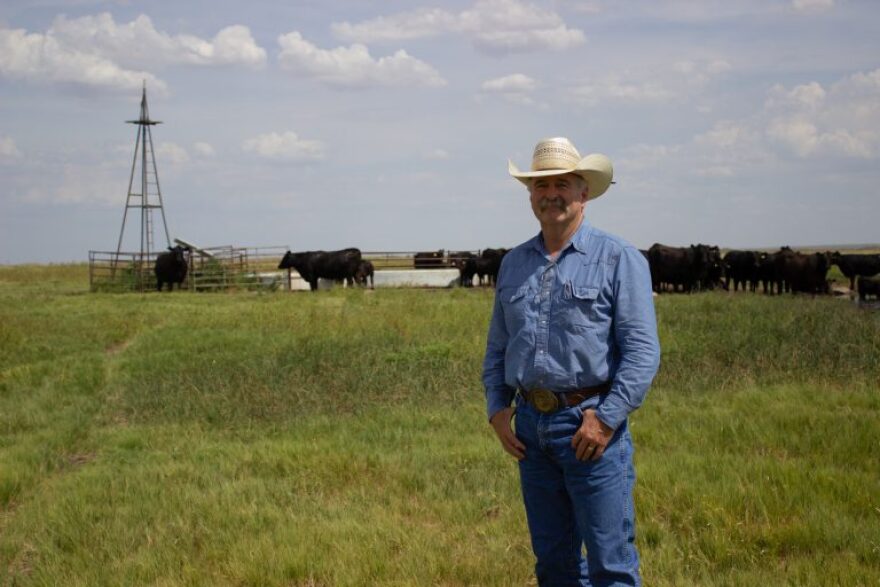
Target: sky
{"x": 388, "y": 125}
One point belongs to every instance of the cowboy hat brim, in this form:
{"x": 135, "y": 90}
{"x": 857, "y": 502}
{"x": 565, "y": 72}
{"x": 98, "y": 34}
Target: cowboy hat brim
{"x": 596, "y": 169}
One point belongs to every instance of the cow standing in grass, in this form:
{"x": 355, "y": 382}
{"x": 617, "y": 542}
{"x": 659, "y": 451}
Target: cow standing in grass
{"x": 741, "y": 267}
{"x": 868, "y": 286}
{"x": 488, "y": 264}
{"x": 685, "y": 266}
{"x": 466, "y": 263}
{"x": 713, "y": 275}
{"x": 364, "y": 271}
{"x": 313, "y": 265}
{"x": 170, "y": 268}
{"x": 853, "y": 266}
{"x": 804, "y": 273}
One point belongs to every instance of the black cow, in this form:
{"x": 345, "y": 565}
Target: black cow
{"x": 770, "y": 273}
{"x": 466, "y": 263}
{"x": 741, "y": 267}
{"x": 713, "y": 274}
{"x": 170, "y": 268}
{"x": 311, "y": 265}
{"x": 804, "y": 273}
{"x": 365, "y": 270}
{"x": 488, "y": 264}
{"x": 767, "y": 273}
{"x": 868, "y": 286}
{"x": 782, "y": 267}
{"x": 854, "y": 265}
{"x": 429, "y": 260}
{"x": 685, "y": 266}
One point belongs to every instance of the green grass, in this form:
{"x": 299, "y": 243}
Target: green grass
{"x": 340, "y": 438}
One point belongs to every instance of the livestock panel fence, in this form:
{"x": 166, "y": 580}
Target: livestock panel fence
{"x": 209, "y": 269}
{"x": 228, "y": 267}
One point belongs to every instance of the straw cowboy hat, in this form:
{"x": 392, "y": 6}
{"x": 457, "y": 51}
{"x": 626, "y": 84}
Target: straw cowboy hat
{"x": 558, "y": 156}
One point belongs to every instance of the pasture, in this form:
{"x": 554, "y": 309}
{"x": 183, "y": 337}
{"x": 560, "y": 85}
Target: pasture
{"x": 340, "y": 438}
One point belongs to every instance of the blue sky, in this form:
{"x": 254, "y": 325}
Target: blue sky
{"x": 388, "y": 125}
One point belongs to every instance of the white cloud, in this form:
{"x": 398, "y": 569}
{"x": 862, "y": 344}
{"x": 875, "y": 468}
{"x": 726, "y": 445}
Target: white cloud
{"x": 417, "y": 24}
{"x": 809, "y": 97}
{"x": 812, "y": 5}
{"x": 799, "y": 135}
{"x": 726, "y": 134}
{"x": 494, "y": 26}
{"x": 805, "y": 139}
{"x": 354, "y": 67}
{"x": 843, "y": 119}
{"x": 285, "y": 146}
{"x": 8, "y": 147}
{"x": 644, "y": 156}
{"x": 803, "y": 121}
{"x": 171, "y": 153}
{"x": 516, "y": 82}
{"x": 235, "y": 45}
{"x": 515, "y": 88}
{"x": 613, "y": 88}
{"x": 96, "y": 51}
{"x": 139, "y": 43}
{"x": 683, "y": 80}
{"x": 36, "y": 56}
{"x": 204, "y": 149}
{"x": 73, "y": 183}
{"x": 700, "y": 72}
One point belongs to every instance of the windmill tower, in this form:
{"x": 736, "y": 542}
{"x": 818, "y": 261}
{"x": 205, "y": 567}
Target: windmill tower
{"x": 146, "y": 195}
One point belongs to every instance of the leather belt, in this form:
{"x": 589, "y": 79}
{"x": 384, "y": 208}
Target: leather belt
{"x": 546, "y": 401}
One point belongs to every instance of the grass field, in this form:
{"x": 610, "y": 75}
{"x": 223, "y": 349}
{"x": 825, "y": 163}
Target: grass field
{"x": 340, "y": 438}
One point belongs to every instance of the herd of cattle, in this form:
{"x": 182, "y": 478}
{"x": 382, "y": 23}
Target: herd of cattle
{"x": 349, "y": 266}
{"x": 701, "y": 267}
{"x": 694, "y": 268}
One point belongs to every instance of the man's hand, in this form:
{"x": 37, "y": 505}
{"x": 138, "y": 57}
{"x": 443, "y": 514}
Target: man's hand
{"x": 592, "y": 437}
{"x": 501, "y": 424}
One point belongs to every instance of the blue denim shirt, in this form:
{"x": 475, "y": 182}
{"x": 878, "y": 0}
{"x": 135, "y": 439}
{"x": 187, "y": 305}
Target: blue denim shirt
{"x": 577, "y": 321}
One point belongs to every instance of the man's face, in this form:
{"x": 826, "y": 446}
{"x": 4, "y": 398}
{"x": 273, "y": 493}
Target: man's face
{"x": 558, "y": 199}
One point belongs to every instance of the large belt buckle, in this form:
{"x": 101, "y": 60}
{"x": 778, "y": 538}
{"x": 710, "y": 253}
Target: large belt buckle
{"x": 544, "y": 400}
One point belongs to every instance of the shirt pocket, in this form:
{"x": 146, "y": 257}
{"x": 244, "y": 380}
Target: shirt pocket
{"x": 578, "y": 309}
{"x": 516, "y": 303}
{"x": 512, "y": 295}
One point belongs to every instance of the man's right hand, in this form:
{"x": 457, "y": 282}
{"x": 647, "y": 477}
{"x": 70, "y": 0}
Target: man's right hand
{"x": 501, "y": 424}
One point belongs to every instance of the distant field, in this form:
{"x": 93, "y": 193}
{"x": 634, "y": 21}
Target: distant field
{"x": 339, "y": 438}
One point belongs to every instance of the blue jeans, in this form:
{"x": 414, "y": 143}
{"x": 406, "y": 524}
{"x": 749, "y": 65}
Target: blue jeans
{"x": 571, "y": 504}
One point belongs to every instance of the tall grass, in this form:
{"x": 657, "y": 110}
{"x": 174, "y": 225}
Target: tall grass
{"x": 339, "y": 438}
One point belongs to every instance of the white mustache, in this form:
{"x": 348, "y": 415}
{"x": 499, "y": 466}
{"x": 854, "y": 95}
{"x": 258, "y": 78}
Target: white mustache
{"x": 547, "y": 202}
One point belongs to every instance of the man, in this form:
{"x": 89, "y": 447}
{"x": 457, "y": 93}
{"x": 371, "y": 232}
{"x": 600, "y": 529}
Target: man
{"x": 573, "y": 340}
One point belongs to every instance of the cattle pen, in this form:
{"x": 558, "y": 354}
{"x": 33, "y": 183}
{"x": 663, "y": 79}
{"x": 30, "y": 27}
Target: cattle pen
{"x": 230, "y": 268}
{"x": 208, "y": 269}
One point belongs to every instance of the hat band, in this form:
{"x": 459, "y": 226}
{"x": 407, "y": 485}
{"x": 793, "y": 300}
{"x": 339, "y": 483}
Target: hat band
{"x": 548, "y": 163}
{"x": 554, "y": 155}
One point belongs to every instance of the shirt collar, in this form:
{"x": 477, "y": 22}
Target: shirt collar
{"x": 578, "y": 240}
{"x": 582, "y": 236}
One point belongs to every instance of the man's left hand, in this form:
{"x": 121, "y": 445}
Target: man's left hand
{"x": 592, "y": 437}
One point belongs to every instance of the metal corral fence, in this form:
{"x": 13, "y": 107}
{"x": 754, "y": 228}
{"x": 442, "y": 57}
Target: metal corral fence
{"x": 235, "y": 268}
{"x": 210, "y": 269}
{"x": 407, "y": 259}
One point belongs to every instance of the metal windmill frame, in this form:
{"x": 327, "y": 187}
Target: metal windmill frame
{"x": 150, "y": 196}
